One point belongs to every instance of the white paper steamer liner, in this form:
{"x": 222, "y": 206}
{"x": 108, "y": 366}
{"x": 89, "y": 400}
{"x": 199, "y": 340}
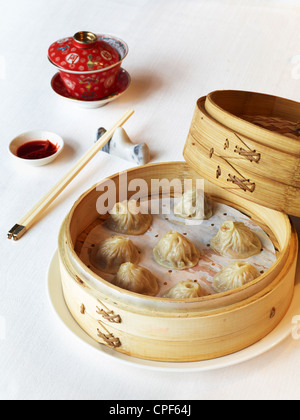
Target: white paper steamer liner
{"x": 210, "y": 263}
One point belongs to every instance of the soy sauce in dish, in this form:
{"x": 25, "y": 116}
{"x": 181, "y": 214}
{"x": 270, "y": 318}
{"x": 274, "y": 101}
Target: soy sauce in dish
{"x": 38, "y": 149}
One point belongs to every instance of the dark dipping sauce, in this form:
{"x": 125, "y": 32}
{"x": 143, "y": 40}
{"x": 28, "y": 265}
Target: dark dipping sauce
{"x": 38, "y": 149}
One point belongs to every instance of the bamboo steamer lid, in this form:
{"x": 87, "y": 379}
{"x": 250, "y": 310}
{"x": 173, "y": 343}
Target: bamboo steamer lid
{"x": 249, "y": 144}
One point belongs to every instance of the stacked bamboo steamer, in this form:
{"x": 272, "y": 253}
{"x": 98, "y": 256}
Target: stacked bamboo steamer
{"x": 246, "y": 147}
{"x": 249, "y": 144}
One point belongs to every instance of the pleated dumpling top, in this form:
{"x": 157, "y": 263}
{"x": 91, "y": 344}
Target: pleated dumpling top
{"x": 234, "y": 276}
{"x": 111, "y": 253}
{"x": 235, "y": 240}
{"x": 128, "y": 218}
{"x": 176, "y": 252}
{"x": 195, "y": 205}
{"x": 186, "y": 289}
{"x": 136, "y": 278}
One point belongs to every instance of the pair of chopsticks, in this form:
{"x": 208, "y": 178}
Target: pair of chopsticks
{"x": 31, "y": 217}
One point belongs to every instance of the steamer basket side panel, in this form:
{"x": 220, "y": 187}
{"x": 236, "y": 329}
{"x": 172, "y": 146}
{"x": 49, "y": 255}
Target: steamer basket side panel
{"x": 252, "y": 187}
{"x": 86, "y": 310}
{"x": 182, "y": 339}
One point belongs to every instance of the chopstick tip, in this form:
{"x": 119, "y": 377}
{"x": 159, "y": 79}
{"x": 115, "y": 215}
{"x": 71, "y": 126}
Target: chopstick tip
{"x": 16, "y": 232}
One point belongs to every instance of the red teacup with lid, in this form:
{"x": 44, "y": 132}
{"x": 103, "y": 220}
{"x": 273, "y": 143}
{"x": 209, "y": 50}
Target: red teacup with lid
{"x": 88, "y": 64}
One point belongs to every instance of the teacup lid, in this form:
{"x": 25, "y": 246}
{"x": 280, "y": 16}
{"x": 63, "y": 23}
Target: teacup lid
{"x": 83, "y": 52}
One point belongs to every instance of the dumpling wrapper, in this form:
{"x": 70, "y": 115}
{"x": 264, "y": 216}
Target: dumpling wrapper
{"x": 194, "y": 204}
{"x": 186, "y": 289}
{"x": 234, "y": 276}
{"x": 111, "y": 253}
{"x": 137, "y": 279}
{"x": 129, "y": 218}
{"x": 175, "y": 251}
{"x": 235, "y": 240}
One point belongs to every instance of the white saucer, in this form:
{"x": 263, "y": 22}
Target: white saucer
{"x": 282, "y": 332}
{"x": 121, "y": 86}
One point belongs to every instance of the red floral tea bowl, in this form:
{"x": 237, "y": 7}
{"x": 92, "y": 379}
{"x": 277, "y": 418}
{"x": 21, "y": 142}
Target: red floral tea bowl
{"x": 88, "y": 64}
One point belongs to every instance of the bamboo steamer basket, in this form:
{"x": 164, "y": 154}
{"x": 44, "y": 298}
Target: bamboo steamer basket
{"x": 249, "y": 144}
{"x": 176, "y": 330}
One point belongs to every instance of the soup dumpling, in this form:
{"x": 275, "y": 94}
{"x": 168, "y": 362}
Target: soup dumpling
{"x": 234, "y": 275}
{"x": 113, "y": 252}
{"x": 176, "y": 252}
{"x": 128, "y": 218}
{"x": 195, "y": 205}
{"x": 137, "y": 279}
{"x": 186, "y": 289}
{"x": 235, "y": 240}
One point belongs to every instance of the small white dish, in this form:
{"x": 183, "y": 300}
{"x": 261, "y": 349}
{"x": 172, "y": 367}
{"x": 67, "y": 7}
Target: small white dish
{"x": 36, "y": 135}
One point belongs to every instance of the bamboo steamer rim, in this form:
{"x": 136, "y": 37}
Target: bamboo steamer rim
{"x": 183, "y": 165}
{"x": 247, "y": 128}
{"x": 202, "y": 105}
{"x": 285, "y": 180}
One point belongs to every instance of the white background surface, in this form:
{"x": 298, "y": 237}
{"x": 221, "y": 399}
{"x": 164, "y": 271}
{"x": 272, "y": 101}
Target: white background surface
{"x": 179, "y": 50}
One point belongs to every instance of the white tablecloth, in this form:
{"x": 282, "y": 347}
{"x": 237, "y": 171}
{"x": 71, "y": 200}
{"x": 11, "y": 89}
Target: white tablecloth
{"x": 179, "y": 50}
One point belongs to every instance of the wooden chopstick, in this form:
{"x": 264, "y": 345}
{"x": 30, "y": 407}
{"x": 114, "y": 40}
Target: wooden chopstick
{"x": 30, "y": 218}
